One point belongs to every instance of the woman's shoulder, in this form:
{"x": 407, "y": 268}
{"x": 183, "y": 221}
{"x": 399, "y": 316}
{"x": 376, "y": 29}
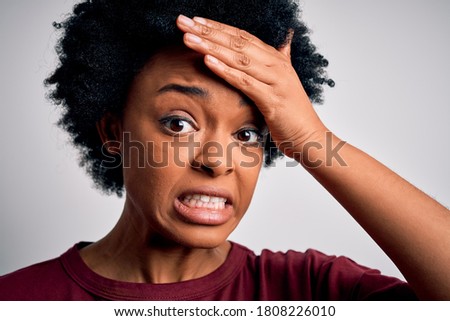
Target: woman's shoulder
{"x": 47, "y": 280}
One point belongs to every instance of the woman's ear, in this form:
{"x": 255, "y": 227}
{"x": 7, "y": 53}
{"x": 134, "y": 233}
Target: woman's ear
{"x": 110, "y": 131}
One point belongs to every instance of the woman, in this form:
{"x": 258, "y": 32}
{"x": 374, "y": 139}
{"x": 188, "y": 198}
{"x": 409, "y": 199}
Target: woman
{"x": 180, "y": 120}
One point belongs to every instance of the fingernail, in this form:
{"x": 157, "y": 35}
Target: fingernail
{"x": 200, "y": 20}
{"x": 212, "y": 59}
{"x": 186, "y": 21}
{"x": 193, "y": 38}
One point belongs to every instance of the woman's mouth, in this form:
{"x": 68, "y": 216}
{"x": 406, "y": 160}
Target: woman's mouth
{"x": 204, "y": 207}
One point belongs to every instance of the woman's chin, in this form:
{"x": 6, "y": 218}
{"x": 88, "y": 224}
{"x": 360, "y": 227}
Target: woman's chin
{"x": 202, "y": 240}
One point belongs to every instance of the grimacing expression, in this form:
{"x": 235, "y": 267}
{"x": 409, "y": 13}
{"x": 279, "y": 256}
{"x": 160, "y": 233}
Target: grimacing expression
{"x": 191, "y": 151}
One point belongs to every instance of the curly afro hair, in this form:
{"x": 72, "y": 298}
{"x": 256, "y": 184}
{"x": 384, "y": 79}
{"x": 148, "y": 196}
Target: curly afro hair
{"x": 105, "y": 43}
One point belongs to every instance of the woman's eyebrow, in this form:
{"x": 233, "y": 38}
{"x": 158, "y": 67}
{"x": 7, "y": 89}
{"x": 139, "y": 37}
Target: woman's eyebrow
{"x": 186, "y": 90}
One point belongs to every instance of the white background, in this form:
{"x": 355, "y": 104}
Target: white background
{"x": 390, "y": 61}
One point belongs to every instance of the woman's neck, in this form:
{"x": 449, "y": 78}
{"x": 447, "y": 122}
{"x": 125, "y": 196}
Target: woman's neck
{"x": 131, "y": 253}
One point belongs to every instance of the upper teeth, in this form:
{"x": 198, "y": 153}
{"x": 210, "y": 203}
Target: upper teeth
{"x": 205, "y": 198}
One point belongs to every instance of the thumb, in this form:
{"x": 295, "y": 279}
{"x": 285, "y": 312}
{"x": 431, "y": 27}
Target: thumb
{"x": 286, "y": 48}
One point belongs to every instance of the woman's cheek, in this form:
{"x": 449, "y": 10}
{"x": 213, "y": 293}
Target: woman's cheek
{"x": 251, "y": 158}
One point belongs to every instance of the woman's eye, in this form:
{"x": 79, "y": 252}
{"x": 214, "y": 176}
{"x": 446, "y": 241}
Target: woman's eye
{"x": 178, "y": 125}
{"x": 249, "y": 136}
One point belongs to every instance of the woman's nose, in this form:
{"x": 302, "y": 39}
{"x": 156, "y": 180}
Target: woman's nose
{"x": 215, "y": 158}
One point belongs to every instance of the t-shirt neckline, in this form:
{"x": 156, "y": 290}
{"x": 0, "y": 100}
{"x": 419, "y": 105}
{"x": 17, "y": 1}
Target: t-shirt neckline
{"x": 110, "y": 289}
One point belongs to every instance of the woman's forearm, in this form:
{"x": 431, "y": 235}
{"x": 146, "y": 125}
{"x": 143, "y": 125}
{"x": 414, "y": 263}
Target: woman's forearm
{"x": 411, "y": 227}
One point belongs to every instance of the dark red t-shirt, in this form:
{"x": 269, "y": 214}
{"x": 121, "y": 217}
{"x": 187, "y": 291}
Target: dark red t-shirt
{"x": 243, "y": 276}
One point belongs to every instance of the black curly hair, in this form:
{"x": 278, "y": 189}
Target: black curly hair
{"x": 105, "y": 43}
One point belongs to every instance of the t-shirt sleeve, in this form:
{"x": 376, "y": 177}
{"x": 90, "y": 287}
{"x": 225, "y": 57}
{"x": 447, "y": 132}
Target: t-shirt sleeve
{"x": 313, "y": 275}
{"x": 343, "y": 279}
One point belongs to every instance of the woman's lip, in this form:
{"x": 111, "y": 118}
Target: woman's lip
{"x": 203, "y": 216}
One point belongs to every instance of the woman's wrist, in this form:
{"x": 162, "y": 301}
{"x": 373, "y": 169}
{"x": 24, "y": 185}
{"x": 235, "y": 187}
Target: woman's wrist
{"x": 320, "y": 148}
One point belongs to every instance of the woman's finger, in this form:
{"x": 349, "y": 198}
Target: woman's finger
{"x": 261, "y": 66}
{"x": 286, "y": 49}
{"x": 227, "y": 29}
{"x": 217, "y": 25}
{"x": 241, "y": 51}
{"x": 248, "y": 85}
{"x": 224, "y": 35}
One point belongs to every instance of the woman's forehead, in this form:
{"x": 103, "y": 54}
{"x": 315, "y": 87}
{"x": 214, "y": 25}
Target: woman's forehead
{"x": 172, "y": 75}
{"x": 179, "y": 67}
{"x": 177, "y": 60}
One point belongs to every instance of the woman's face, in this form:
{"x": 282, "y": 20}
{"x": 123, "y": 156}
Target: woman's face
{"x": 191, "y": 152}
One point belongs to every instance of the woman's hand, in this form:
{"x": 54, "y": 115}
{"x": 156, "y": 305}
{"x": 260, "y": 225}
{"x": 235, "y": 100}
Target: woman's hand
{"x": 262, "y": 73}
